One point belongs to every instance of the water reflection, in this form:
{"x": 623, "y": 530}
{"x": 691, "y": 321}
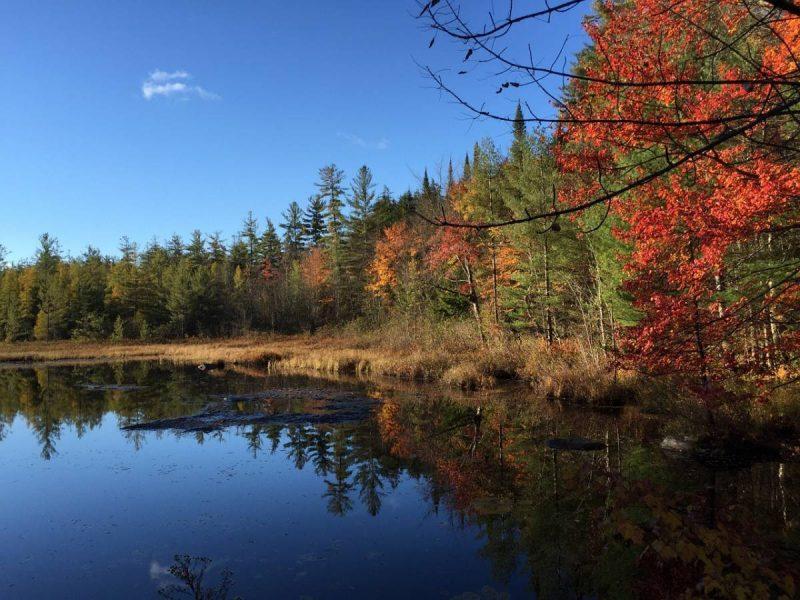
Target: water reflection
{"x": 624, "y": 521}
{"x": 190, "y": 572}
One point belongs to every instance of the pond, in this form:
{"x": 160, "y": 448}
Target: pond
{"x": 294, "y": 487}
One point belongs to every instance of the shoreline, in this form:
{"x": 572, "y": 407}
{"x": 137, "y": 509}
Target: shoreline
{"x": 554, "y": 372}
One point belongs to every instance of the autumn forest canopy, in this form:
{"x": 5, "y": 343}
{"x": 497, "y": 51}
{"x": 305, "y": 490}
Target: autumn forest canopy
{"x": 652, "y": 217}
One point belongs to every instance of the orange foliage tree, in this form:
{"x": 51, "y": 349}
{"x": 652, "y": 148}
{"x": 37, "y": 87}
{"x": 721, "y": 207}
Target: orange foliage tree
{"x": 712, "y": 223}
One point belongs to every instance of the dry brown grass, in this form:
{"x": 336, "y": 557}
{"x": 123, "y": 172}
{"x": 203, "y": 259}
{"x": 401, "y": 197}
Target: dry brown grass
{"x": 450, "y": 352}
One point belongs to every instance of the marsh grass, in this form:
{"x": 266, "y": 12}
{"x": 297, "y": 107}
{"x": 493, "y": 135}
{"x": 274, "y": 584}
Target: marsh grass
{"x": 449, "y": 352}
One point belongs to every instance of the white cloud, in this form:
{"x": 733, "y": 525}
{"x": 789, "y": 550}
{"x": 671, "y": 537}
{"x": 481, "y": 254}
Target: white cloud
{"x": 159, "y": 75}
{"x": 381, "y": 144}
{"x": 175, "y": 85}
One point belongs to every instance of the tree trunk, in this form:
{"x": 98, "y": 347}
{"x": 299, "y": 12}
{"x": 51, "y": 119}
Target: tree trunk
{"x": 548, "y": 310}
{"x": 494, "y": 283}
{"x": 474, "y": 300}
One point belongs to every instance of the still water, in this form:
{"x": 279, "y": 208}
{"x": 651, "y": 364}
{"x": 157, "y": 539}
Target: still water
{"x": 308, "y": 488}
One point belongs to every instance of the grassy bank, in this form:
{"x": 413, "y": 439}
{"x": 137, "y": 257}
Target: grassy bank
{"x": 450, "y": 353}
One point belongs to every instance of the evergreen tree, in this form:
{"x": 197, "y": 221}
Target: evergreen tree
{"x": 332, "y": 194}
{"x": 175, "y": 247}
{"x": 10, "y": 317}
{"x": 450, "y": 179}
{"x": 48, "y": 255}
{"x": 520, "y": 146}
{"x": 90, "y": 285}
{"x": 386, "y": 211}
{"x": 314, "y": 221}
{"x": 466, "y": 173}
{"x": 118, "y": 333}
{"x": 52, "y": 320}
{"x": 217, "y": 250}
{"x": 292, "y": 226}
{"x": 361, "y": 200}
{"x": 239, "y": 254}
{"x": 359, "y": 233}
{"x": 196, "y": 250}
{"x": 331, "y": 191}
{"x": 271, "y": 245}
{"x": 429, "y": 201}
{"x": 249, "y": 236}
{"x": 28, "y": 302}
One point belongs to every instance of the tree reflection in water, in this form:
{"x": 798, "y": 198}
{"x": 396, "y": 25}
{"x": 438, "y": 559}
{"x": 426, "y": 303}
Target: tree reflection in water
{"x": 190, "y": 571}
{"x": 622, "y": 522}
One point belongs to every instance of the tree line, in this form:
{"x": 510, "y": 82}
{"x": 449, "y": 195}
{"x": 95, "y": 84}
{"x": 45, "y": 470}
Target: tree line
{"x": 349, "y": 253}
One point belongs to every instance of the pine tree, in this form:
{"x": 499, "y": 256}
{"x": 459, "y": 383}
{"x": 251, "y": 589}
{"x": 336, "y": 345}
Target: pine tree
{"x": 314, "y": 221}
{"x": 466, "y": 173}
{"x": 175, "y": 247}
{"x": 238, "y": 254}
{"x": 385, "y": 212}
{"x": 359, "y": 234}
{"x": 196, "y": 250}
{"x": 249, "y": 235}
{"x": 430, "y": 196}
{"x": 332, "y": 193}
{"x": 90, "y": 284}
{"x": 450, "y": 179}
{"x": 217, "y": 250}
{"x": 520, "y": 147}
{"x": 361, "y": 199}
{"x": 52, "y": 290}
{"x": 48, "y": 255}
{"x": 271, "y": 245}
{"x": 292, "y": 226}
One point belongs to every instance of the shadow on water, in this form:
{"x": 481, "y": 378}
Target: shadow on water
{"x": 576, "y": 503}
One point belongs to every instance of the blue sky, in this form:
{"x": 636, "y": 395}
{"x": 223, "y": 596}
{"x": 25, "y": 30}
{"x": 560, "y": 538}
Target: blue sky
{"x": 150, "y": 118}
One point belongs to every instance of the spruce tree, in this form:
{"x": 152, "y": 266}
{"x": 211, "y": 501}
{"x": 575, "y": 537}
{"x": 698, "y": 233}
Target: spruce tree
{"x": 292, "y": 226}
{"x": 90, "y": 284}
{"x": 386, "y": 211}
{"x": 48, "y": 255}
{"x": 450, "y": 179}
{"x": 216, "y": 246}
{"x": 249, "y": 235}
{"x": 196, "y": 250}
{"x": 175, "y": 247}
{"x": 314, "y": 221}
{"x": 271, "y": 245}
{"x": 520, "y": 146}
{"x": 429, "y": 197}
{"x": 239, "y": 255}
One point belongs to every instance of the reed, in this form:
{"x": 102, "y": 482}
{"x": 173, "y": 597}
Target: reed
{"x": 447, "y": 352}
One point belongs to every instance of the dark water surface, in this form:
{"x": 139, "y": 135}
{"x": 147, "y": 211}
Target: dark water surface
{"x": 421, "y": 495}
